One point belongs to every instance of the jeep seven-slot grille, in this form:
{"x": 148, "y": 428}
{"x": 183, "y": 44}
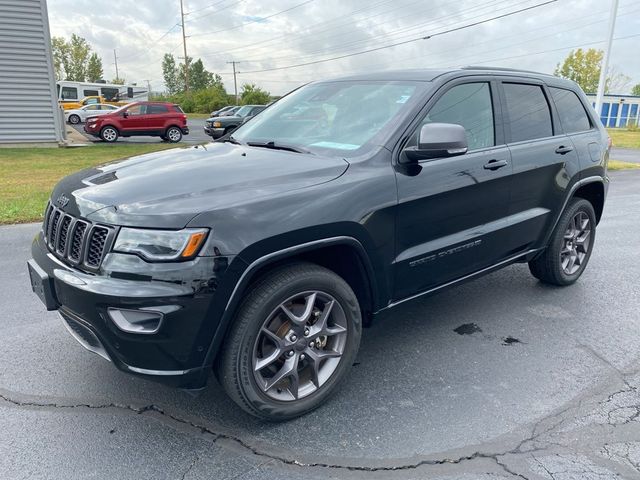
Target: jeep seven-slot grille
{"x": 78, "y": 241}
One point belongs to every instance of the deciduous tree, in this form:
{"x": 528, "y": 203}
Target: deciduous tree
{"x": 94, "y": 68}
{"x": 253, "y": 95}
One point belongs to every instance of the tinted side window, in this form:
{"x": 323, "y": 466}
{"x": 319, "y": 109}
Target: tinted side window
{"x": 91, "y": 93}
{"x": 529, "y": 114}
{"x": 69, "y": 93}
{"x": 571, "y": 111}
{"x": 157, "y": 109}
{"x": 468, "y": 105}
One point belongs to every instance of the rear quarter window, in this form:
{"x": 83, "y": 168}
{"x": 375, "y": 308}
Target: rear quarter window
{"x": 573, "y": 116}
{"x": 528, "y": 110}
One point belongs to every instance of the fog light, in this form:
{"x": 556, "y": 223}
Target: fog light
{"x": 136, "y": 321}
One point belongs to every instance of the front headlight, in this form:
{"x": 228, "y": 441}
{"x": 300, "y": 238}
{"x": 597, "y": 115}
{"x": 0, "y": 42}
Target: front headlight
{"x": 161, "y": 245}
{"x": 217, "y": 124}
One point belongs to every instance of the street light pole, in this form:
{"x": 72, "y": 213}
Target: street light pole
{"x": 184, "y": 46}
{"x": 235, "y": 81}
{"x": 115, "y": 58}
{"x": 605, "y": 60}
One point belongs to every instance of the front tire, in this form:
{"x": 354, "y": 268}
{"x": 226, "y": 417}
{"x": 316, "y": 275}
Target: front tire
{"x": 109, "y": 134}
{"x": 570, "y": 247}
{"x": 294, "y": 338}
{"x": 173, "y": 135}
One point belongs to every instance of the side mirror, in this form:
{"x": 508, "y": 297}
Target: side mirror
{"x": 437, "y": 140}
{"x": 125, "y": 114}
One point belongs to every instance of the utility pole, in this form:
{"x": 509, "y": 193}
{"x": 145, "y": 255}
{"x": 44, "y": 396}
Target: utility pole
{"x": 184, "y": 46}
{"x": 605, "y": 60}
{"x": 235, "y": 80}
{"x": 115, "y": 58}
{"x": 148, "y": 86}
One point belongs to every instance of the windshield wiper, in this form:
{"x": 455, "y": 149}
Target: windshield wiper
{"x": 230, "y": 139}
{"x": 279, "y": 146}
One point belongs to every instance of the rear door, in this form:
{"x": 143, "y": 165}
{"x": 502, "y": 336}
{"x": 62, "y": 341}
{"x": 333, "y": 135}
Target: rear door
{"x": 579, "y": 126}
{"x": 450, "y": 217}
{"x": 157, "y": 116}
{"x": 544, "y": 160}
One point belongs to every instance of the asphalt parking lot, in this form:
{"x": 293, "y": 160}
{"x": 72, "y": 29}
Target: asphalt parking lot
{"x": 196, "y": 134}
{"x": 499, "y": 378}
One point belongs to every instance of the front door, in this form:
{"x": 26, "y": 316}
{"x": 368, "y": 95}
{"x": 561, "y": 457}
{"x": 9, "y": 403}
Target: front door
{"x": 135, "y": 120}
{"x": 451, "y": 212}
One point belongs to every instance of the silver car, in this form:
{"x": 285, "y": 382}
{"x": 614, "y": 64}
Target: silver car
{"x": 81, "y": 114}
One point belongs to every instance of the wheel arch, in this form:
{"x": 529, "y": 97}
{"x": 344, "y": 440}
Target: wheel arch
{"x": 594, "y": 193}
{"x": 343, "y": 255}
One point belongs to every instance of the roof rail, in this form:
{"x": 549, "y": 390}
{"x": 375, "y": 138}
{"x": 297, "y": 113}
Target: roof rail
{"x": 502, "y": 69}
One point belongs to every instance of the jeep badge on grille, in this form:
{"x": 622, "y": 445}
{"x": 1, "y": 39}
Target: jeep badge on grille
{"x": 62, "y": 200}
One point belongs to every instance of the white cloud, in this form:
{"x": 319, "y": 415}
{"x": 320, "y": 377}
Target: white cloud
{"x": 238, "y": 30}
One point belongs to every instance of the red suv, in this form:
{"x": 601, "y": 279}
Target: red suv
{"x": 156, "y": 119}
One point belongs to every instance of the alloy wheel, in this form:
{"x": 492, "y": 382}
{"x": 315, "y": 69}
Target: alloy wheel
{"x": 173, "y": 134}
{"x": 576, "y": 242}
{"x": 299, "y": 346}
{"x": 109, "y": 134}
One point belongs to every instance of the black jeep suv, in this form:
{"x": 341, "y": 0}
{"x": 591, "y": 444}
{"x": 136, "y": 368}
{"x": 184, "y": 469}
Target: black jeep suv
{"x": 261, "y": 256}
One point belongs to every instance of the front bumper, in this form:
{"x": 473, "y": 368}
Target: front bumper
{"x": 214, "y": 132}
{"x": 176, "y": 353}
{"x": 93, "y": 130}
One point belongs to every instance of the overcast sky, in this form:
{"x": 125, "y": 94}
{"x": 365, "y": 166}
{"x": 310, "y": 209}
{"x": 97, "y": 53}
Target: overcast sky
{"x": 258, "y": 35}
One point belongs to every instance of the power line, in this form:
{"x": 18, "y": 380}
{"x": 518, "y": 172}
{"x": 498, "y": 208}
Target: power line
{"x": 426, "y": 37}
{"x": 204, "y": 8}
{"x": 310, "y": 27}
{"x": 402, "y": 32}
{"x": 213, "y": 13}
{"x": 259, "y": 20}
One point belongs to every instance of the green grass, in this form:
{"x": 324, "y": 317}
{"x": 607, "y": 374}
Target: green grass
{"x": 27, "y": 175}
{"x": 624, "y": 138}
{"x": 198, "y": 115}
{"x": 619, "y": 165}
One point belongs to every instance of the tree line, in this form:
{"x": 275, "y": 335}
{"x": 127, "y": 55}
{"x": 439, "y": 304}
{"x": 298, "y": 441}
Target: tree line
{"x": 75, "y": 60}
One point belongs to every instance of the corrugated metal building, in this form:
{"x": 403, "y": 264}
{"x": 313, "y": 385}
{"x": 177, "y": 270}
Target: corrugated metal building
{"x": 28, "y": 106}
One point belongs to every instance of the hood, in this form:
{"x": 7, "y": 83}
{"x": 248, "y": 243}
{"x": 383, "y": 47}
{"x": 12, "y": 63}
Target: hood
{"x": 225, "y": 118}
{"x": 167, "y": 189}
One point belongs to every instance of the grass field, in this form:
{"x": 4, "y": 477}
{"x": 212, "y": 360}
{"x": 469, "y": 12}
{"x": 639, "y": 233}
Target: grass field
{"x": 198, "y": 115}
{"x": 27, "y": 175}
{"x": 618, "y": 165}
{"x": 624, "y": 138}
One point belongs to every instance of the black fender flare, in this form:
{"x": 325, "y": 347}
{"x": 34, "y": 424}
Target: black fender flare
{"x": 247, "y": 275}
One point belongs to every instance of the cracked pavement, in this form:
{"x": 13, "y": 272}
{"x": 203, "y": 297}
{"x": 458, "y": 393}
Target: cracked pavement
{"x": 500, "y": 378}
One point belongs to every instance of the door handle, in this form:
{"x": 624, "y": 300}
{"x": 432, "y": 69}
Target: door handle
{"x": 495, "y": 164}
{"x": 562, "y": 150}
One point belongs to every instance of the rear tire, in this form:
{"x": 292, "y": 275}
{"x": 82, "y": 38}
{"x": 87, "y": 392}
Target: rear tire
{"x": 74, "y": 119}
{"x": 302, "y": 323}
{"x": 173, "y": 135}
{"x": 109, "y": 134}
{"x": 570, "y": 247}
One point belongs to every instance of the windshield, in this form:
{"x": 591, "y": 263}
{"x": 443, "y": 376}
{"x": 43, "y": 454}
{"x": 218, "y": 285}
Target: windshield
{"x": 334, "y": 118}
{"x": 244, "y": 111}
